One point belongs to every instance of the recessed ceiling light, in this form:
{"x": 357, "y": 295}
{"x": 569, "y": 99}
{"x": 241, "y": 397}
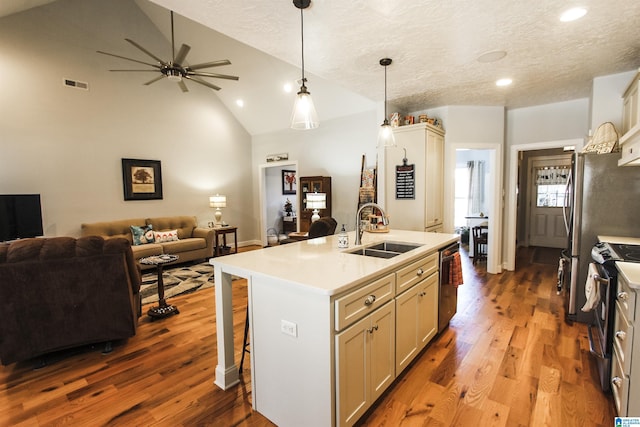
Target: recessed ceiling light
{"x": 492, "y": 56}
{"x": 573, "y": 14}
{"x": 240, "y": 103}
{"x": 287, "y": 87}
{"x": 504, "y": 82}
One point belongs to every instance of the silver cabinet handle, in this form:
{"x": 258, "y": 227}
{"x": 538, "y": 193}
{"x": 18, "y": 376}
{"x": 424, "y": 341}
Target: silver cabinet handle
{"x": 616, "y": 381}
{"x": 420, "y": 272}
{"x": 622, "y": 296}
{"x": 373, "y": 328}
{"x": 621, "y": 335}
{"x": 370, "y": 300}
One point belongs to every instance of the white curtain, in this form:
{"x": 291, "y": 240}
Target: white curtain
{"x": 552, "y": 175}
{"x": 476, "y": 186}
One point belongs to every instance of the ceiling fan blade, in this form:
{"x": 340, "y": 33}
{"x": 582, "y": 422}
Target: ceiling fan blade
{"x": 183, "y": 86}
{"x": 182, "y": 54}
{"x": 202, "y": 82}
{"x": 161, "y": 76}
{"x": 217, "y": 76}
{"x": 146, "y": 51}
{"x": 153, "y": 71}
{"x": 209, "y": 64}
{"x": 128, "y": 59}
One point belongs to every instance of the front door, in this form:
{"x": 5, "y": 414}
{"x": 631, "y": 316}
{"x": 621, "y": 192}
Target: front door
{"x": 548, "y": 176}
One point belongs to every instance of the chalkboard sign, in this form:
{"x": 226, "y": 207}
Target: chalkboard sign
{"x": 405, "y": 182}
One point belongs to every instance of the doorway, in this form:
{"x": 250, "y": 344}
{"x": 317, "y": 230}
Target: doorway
{"x": 272, "y": 197}
{"x": 546, "y": 198}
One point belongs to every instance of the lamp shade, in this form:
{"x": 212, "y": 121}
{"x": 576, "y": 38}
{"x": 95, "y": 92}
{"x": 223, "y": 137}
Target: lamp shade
{"x": 304, "y": 114}
{"x": 385, "y": 135}
{"x": 218, "y": 201}
{"x": 316, "y": 200}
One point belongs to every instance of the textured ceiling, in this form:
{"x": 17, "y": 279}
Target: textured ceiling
{"x": 434, "y": 46}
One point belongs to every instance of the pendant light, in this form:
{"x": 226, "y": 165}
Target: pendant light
{"x": 304, "y": 113}
{"x": 385, "y": 135}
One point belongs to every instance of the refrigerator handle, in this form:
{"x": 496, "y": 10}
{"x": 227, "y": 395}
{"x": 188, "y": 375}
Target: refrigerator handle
{"x": 567, "y": 188}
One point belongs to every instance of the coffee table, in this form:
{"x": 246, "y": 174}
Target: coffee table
{"x": 163, "y": 309}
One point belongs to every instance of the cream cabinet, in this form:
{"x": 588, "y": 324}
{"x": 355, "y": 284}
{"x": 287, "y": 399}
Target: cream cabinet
{"x": 365, "y": 365}
{"x": 625, "y": 361}
{"x": 423, "y": 145}
{"x": 416, "y": 320}
{"x": 630, "y": 139}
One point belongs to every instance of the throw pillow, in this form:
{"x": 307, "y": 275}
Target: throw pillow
{"x": 165, "y": 236}
{"x": 142, "y": 235}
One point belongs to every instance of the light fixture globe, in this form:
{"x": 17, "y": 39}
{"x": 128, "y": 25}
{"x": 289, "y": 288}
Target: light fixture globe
{"x": 304, "y": 114}
{"x": 385, "y": 134}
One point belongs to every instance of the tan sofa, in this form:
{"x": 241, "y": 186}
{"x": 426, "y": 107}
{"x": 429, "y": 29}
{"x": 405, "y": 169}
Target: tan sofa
{"x": 194, "y": 243}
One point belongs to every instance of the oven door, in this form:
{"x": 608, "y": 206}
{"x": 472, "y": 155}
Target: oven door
{"x": 601, "y": 329}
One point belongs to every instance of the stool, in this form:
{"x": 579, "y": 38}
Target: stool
{"x": 245, "y": 344}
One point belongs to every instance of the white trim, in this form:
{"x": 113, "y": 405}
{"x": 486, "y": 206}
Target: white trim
{"x": 511, "y": 208}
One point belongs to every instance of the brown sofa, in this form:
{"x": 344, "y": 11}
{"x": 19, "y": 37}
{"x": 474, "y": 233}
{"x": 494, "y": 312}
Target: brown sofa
{"x": 61, "y": 292}
{"x": 194, "y": 243}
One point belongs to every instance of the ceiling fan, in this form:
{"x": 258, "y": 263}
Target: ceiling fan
{"x": 175, "y": 70}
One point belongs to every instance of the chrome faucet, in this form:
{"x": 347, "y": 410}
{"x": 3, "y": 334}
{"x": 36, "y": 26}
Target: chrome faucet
{"x": 359, "y": 230}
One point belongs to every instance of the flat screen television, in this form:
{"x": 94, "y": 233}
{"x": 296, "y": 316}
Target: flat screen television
{"x": 20, "y": 216}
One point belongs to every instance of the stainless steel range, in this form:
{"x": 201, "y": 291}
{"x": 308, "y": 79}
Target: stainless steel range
{"x": 602, "y": 277}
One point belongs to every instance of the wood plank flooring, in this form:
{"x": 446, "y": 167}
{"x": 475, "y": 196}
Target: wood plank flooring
{"x": 508, "y": 358}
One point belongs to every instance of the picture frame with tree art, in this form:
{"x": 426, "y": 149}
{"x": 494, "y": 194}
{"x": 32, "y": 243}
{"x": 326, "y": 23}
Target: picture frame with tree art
{"x": 142, "y": 179}
{"x": 289, "y": 181}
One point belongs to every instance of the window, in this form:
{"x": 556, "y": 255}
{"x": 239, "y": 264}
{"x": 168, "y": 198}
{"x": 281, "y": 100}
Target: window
{"x": 551, "y": 196}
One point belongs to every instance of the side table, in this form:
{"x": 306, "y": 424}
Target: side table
{"x": 219, "y": 249}
{"x": 163, "y": 309}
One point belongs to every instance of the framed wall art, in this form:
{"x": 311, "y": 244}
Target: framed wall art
{"x": 288, "y": 182}
{"x": 142, "y": 179}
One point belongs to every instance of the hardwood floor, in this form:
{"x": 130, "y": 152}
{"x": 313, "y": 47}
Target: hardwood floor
{"x": 508, "y": 358}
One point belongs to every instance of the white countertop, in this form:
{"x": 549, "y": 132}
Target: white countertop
{"x": 318, "y": 265}
{"x": 620, "y": 240}
{"x": 631, "y": 272}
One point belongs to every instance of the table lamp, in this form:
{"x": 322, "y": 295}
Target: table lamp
{"x": 316, "y": 201}
{"x": 218, "y": 201}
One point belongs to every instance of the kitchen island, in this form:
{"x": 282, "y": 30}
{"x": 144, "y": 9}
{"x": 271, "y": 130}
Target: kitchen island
{"x": 330, "y": 330}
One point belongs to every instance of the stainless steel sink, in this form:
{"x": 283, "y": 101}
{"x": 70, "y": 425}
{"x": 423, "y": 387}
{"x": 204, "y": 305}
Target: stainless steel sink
{"x": 385, "y": 249}
{"x": 395, "y": 247}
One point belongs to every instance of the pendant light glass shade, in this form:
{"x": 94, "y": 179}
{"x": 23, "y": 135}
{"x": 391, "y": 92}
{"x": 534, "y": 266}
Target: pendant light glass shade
{"x": 385, "y": 134}
{"x": 304, "y": 114}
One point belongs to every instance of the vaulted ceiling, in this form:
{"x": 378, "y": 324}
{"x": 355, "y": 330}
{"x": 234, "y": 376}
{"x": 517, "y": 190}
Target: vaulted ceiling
{"x": 435, "y": 47}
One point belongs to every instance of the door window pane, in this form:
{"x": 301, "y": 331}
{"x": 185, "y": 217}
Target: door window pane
{"x": 550, "y": 196}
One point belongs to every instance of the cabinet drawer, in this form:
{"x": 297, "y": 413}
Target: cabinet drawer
{"x": 619, "y": 385}
{"x": 416, "y": 271}
{"x": 623, "y": 338}
{"x": 363, "y": 301}
{"x": 627, "y": 299}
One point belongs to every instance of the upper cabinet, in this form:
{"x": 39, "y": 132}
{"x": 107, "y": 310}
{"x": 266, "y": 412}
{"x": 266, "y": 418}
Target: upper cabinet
{"x": 414, "y": 189}
{"x": 630, "y": 139}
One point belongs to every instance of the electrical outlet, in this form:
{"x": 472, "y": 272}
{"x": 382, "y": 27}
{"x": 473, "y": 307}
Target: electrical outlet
{"x": 288, "y": 328}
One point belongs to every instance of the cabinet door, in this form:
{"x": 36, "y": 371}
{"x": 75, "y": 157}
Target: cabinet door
{"x": 382, "y": 334}
{"x": 407, "y": 345}
{"x": 427, "y": 294}
{"x": 434, "y": 179}
{"x": 352, "y": 393}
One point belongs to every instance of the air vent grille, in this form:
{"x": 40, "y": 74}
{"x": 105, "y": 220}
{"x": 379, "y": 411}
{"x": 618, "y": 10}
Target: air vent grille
{"x": 76, "y": 84}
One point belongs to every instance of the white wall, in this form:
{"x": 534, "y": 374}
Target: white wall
{"x": 606, "y": 102}
{"x": 334, "y": 149}
{"x": 67, "y": 144}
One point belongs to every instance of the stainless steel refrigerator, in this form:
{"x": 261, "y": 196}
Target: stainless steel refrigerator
{"x": 605, "y": 200}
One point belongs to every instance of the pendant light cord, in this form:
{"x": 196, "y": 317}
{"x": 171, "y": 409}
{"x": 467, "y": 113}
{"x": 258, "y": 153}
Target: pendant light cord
{"x": 302, "y": 33}
{"x": 385, "y": 92}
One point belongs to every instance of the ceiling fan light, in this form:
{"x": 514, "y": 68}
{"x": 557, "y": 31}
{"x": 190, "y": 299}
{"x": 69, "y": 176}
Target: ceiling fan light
{"x": 304, "y": 114}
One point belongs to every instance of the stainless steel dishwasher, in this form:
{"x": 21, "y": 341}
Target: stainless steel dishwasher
{"x": 448, "y": 292}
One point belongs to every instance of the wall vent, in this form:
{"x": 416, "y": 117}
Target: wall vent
{"x": 76, "y": 84}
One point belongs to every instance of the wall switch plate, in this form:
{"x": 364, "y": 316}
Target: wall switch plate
{"x": 288, "y": 328}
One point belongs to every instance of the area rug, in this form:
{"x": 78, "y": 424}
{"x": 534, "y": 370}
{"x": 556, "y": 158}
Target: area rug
{"x": 178, "y": 280}
{"x": 548, "y": 256}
